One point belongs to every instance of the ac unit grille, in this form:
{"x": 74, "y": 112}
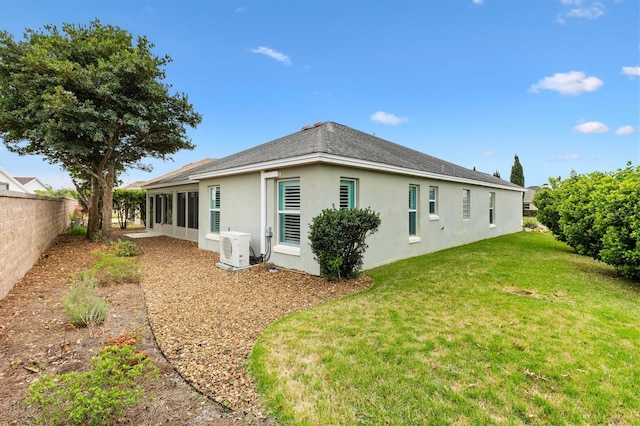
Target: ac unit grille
{"x": 227, "y": 248}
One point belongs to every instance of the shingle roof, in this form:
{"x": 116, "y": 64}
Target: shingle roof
{"x": 343, "y": 141}
{"x": 179, "y": 175}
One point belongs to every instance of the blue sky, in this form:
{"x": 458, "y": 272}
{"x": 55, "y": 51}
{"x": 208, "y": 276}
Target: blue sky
{"x": 474, "y": 82}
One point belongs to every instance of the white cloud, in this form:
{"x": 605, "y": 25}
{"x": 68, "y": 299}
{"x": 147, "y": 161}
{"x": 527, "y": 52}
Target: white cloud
{"x": 570, "y": 157}
{"x": 478, "y": 1}
{"x": 625, "y": 130}
{"x": 489, "y": 153}
{"x": 591, "y": 127}
{"x": 278, "y": 56}
{"x": 386, "y": 118}
{"x": 568, "y": 83}
{"x": 581, "y": 9}
{"x": 631, "y": 71}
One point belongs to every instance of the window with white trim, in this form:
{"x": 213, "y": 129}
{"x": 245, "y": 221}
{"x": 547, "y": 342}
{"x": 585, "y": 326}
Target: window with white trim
{"x": 492, "y": 208}
{"x": 289, "y": 212}
{"x": 466, "y": 203}
{"x": 433, "y": 200}
{"x": 214, "y": 209}
{"x": 347, "y": 194}
{"x": 413, "y": 210}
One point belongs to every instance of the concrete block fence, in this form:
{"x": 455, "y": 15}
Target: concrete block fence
{"x": 28, "y": 224}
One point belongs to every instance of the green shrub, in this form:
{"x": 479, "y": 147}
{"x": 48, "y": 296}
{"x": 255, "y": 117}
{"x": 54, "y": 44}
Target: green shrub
{"x": 76, "y": 230}
{"x": 125, "y": 248}
{"x": 530, "y": 223}
{"x": 81, "y": 305}
{"x": 109, "y": 268}
{"x": 338, "y": 240}
{"x": 98, "y": 396}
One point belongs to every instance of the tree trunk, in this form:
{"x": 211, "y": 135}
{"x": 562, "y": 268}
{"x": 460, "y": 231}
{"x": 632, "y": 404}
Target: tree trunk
{"x": 107, "y": 183}
{"x": 93, "y": 223}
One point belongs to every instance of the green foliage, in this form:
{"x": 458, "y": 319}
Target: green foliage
{"x": 98, "y": 396}
{"x": 127, "y": 203}
{"x": 109, "y": 268}
{"x": 338, "y": 240}
{"x": 497, "y": 174}
{"x": 58, "y": 193}
{"x": 76, "y": 230}
{"x": 82, "y": 306}
{"x": 598, "y": 215}
{"x": 90, "y": 98}
{"x": 517, "y": 174}
{"x": 530, "y": 223}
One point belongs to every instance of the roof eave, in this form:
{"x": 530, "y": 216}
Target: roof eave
{"x": 342, "y": 161}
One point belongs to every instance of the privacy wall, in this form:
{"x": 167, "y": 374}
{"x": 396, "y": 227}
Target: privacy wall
{"x": 28, "y": 224}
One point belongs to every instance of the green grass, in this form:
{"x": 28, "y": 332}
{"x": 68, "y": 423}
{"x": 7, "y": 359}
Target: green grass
{"x": 512, "y": 330}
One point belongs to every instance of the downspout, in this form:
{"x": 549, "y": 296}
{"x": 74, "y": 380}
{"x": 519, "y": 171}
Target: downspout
{"x": 263, "y": 207}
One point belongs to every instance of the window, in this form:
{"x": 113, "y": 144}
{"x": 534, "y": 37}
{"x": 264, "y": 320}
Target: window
{"x": 214, "y": 209}
{"x": 182, "y": 207}
{"x": 413, "y": 210}
{"x": 492, "y": 209}
{"x": 433, "y": 200}
{"x": 151, "y": 213}
{"x": 466, "y": 203}
{"x": 289, "y": 212}
{"x": 347, "y": 194}
{"x": 192, "y": 210}
{"x": 168, "y": 209}
{"x": 158, "y": 208}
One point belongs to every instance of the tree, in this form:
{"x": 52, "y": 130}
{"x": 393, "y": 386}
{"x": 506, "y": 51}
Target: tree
{"x": 497, "y": 174}
{"x": 91, "y": 100}
{"x": 338, "y": 240}
{"x": 517, "y": 174}
{"x": 128, "y": 202}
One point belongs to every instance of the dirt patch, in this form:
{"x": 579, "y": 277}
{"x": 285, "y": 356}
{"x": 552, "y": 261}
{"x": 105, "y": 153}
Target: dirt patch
{"x": 206, "y": 321}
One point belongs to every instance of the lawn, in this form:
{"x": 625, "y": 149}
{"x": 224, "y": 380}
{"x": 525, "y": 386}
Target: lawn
{"x": 512, "y": 330}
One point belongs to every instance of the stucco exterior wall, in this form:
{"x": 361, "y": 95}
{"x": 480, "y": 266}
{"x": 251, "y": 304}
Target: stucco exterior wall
{"x": 28, "y": 224}
{"x": 385, "y": 193}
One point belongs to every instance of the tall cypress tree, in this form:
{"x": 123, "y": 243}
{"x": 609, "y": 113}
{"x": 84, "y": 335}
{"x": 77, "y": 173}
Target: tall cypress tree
{"x": 517, "y": 174}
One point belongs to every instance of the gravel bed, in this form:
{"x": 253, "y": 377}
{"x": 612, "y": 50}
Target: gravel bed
{"x": 206, "y": 320}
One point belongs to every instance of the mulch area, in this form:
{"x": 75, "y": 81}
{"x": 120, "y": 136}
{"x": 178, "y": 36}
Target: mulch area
{"x": 197, "y": 322}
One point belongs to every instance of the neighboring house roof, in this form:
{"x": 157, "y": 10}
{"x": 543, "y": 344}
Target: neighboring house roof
{"x": 528, "y": 197}
{"x": 13, "y": 184}
{"x": 335, "y": 143}
{"x": 177, "y": 177}
{"x": 32, "y": 184}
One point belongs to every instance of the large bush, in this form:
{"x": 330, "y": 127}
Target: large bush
{"x": 338, "y": 240}
{"x": 597, "y": 214}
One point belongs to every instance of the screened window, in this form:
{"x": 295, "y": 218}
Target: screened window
{"x": 159, "y": 203}
{"x": 492, "y": 208}
{"x": 289, "y": 212}
{"x": 151, "y": 218}
{"x": 466, "y": 203}
{"x": 192, "y": 210}
{"x": 168, "y": 209}
{"x": 182, "y": 207}
{"x": 413, "y": 210}
{"x": 347, "y": 194}
{"x": 433, "y": 200}
{"x": 214, "y": 209}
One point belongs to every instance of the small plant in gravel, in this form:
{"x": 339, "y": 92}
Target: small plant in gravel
{"x": 81, "y": 304}
{"x": 121, "y": 248}
{"x": 108, "y": 268}
{"x": 76, "y": 230}
{"x": 530, "y": 224}
{"x": 98, "y": 396}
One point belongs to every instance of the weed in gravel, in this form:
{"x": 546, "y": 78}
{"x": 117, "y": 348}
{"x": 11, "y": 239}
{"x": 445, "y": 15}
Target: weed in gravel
{"x": 81, "y": 305}
{"x": 98, "y": 396}
{"x": 109, "y": 268}
{"x": 76, "y": 230}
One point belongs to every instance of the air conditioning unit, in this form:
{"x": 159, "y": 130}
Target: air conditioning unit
{"x": 234, "y": 248}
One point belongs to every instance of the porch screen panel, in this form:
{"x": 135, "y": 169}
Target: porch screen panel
{"x": 289, "y": 212}
{"x": 182, "y": 206}
{"x": 192, "y": 210}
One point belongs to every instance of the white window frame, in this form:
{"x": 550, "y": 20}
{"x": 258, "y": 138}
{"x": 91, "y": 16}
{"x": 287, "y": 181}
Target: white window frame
{"x": 286, "y": 211}
{"x": 466, "y": 204}
{"x": 215, "y": 201}
{"x": 413, "y": 209}
{"x": 433, "y": 203}
{"x": 351, "y": 186}
{"x": 492, "y": 209}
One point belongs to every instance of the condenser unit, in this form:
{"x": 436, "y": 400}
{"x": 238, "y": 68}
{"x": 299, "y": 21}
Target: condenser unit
{"x": 234, "y": 248}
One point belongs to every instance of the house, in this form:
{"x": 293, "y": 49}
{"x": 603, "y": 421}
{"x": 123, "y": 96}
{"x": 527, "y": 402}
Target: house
{"x": 528, "y": 208}
{"x": 32, "y": 184}
{"x": 274, "y": 190}
{"x": 9, "y": 183}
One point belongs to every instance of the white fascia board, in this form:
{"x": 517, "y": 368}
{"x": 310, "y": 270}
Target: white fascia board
{"x": 168, "y": 184}
{"x": 342, "y": 161}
